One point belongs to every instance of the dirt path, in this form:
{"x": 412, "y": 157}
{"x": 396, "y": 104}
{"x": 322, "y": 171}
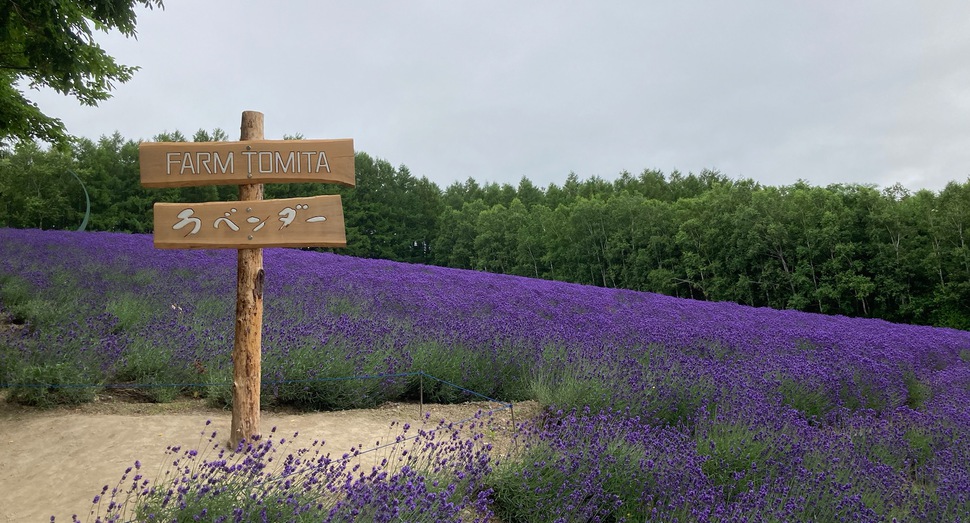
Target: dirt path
{"x": 55, "y": 462}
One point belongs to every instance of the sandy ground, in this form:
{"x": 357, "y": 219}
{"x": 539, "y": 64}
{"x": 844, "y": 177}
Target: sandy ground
{"x": 53, "y": 463}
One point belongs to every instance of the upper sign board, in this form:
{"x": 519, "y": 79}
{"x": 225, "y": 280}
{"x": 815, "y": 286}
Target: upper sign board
{"x": 184, "y": 164}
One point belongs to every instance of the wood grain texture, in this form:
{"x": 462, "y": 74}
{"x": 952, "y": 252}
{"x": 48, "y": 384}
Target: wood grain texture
{"x": 247, "y": 344}
{"x": 186, "y": 164}
{"x": 314, "y": 221}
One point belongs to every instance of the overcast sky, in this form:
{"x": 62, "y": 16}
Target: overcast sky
{"x": 873, "y": 92}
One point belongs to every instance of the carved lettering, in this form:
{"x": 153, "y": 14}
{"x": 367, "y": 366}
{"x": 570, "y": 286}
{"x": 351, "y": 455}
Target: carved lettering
{"x": 262, "y": 162}
{"x": 287, "y": 165}
{"x": 200, "y": 162}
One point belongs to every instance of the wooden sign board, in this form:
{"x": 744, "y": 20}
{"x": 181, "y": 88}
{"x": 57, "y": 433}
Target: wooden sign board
{"x": 316, "y": 221}
{"x": 184, "y": 164}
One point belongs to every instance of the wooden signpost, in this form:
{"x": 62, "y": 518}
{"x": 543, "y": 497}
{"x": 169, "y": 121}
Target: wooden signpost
{"x": 248, "y": 224}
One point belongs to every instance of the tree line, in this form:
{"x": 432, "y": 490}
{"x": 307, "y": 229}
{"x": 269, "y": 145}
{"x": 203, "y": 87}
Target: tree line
{"x": 844, "y": 249}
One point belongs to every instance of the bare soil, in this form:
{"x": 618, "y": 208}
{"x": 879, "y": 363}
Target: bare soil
{"x": 53, "y": 462}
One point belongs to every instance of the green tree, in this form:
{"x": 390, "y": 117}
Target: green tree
{"x": 772, "y": 246}
{"x": 51, "y": 44}
{"x": 651, "y": 184}
{"x": 495, "y": 246}
{"x": 109, "y": 168}
{"x": 851, "y": 255}
{"x": 454, "y": 244}
{"x": 578, "y": 248}
{"x": 217, "y": 135}
{"x": 951, "y": 221}
{"x": 897, "y": 254}
{"x": 422, "y": 206}
{"x": 458, "y": 194}
{"x": 495, "y": 194}
{"x": 819, "y": 222}
{"x": 166, "y": 136}
{"x": 696, "y": 239}
{"x": 528, "y": 193}
{"x": 625, "y": 241}
{"x": 390, "y": 214}
{"x": 37, "y": 189}
{"x": 530, "y": 240}
{"x": 655, "y": 255}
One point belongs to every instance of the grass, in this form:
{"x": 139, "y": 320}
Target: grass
{"x": 307, "y": 381}
{"x": 917, "y": 391}
{"x": 469, "y": 370}
{"x": 35, "y": 311}
{"x": 738, "y": 456}
{"x": 568, "y": 389}
{"x": 131, "y": 312}
{"x": 597, "y": 472}
{"x": 811, "y": 401}
{"x": 50, "y": 385}
{"x": 149, "y": 368}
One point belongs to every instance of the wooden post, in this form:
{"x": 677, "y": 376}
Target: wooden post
{"x": 247, "y": 347}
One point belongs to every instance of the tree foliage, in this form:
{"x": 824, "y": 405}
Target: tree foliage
{"x": 51, "y": 43}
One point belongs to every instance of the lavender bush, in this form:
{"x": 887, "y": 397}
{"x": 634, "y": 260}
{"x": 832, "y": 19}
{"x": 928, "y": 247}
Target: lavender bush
{"x": 429, "y": 474}
{"x": 657, "y": 408}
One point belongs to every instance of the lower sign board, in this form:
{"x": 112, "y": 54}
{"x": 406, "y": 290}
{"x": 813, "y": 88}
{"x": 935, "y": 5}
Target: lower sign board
{"x": 315, "y": 221}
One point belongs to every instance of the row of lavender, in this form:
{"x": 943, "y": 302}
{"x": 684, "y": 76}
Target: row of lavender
{"x": 660, "y": 408}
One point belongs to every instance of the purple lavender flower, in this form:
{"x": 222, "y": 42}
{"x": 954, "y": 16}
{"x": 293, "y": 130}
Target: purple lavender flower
{"x": 759, "y": 414}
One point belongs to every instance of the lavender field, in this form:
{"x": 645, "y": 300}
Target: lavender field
{"x": 657, "y": 408}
